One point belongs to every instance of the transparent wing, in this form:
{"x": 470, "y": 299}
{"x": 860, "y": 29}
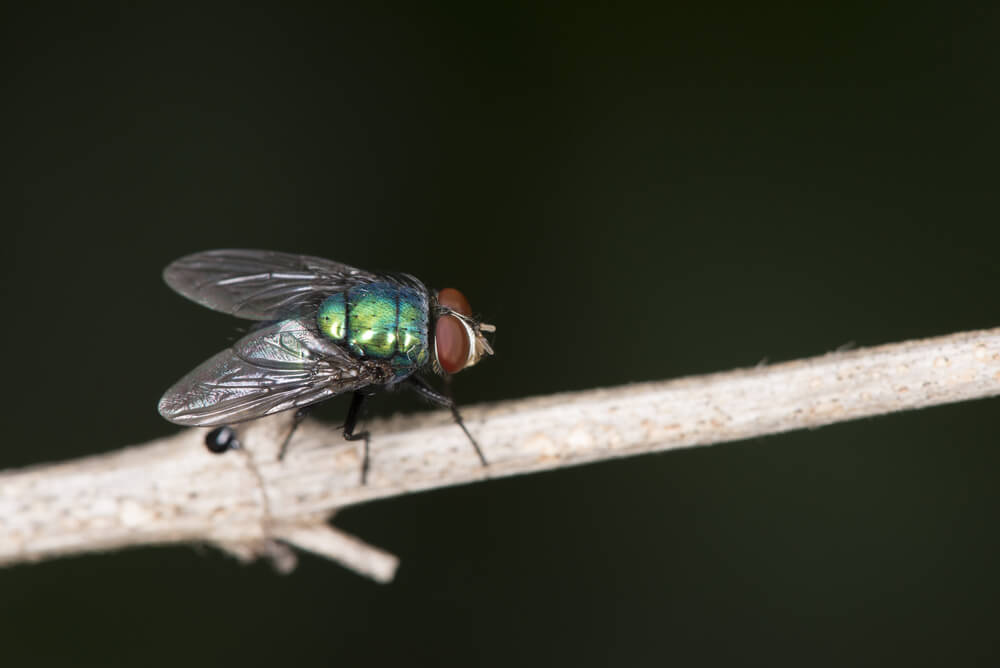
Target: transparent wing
{"x": 260, "y": 285}
{"x": 278, "y": 367}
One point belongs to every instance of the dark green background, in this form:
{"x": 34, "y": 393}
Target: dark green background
{"x": 630, "y": 194}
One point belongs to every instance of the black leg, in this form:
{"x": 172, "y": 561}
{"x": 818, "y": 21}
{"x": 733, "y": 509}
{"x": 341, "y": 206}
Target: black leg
{"x": 297, "y": 419}
{"x": 221, "y": 440}
{"x": 353, "y": 413}
{"x": 423, "y": 389}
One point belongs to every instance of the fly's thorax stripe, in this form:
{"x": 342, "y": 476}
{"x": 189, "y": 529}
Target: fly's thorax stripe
{"x": 411, "y": 329}
{"x": 371, "y": 320}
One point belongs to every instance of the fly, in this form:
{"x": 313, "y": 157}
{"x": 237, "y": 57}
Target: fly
{"x": 324, "y": 329}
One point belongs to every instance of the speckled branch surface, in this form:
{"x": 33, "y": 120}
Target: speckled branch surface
{"x": 250, "y": 504}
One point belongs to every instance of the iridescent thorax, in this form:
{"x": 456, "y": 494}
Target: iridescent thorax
{"x": 381, "y": 321}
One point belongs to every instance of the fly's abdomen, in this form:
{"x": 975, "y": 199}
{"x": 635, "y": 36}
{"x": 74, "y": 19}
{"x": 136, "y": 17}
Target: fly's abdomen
{"x": 380, "y": 321}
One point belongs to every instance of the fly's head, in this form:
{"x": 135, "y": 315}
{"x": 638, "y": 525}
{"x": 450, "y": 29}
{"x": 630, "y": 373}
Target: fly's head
{"x": 458, "y": 337}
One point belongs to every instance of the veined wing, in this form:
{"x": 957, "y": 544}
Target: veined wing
{"x": 278, "y": 367}
{"x": 258, "y": 284}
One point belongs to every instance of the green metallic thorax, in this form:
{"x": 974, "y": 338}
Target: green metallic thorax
{"x": 382, "y": 321}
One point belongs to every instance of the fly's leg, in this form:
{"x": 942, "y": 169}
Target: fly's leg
{"x": 421, "y": 387}
{"x": 221, "y": 440}
{"x": 353, "y": 413}
{"x": 297, "y": 419}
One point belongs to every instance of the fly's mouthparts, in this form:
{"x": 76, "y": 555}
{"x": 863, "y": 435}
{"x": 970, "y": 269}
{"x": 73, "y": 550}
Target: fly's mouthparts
{"x": 483, "y": 346}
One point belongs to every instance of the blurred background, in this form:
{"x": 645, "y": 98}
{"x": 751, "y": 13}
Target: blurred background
{"x": 630, "y": 193}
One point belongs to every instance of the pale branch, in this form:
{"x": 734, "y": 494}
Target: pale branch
{"x": 251, "y": 504}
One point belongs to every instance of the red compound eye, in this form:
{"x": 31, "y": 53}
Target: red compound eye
{"x": 451, "y": 340}
{"x": 454, "y": 300}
